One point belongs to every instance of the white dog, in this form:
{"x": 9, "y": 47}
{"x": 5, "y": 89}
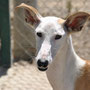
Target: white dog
{"x": 55, "y": 52}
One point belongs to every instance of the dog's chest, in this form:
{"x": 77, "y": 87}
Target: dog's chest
{"x": 64, "y": 77}
{"x": 61, "y": 80}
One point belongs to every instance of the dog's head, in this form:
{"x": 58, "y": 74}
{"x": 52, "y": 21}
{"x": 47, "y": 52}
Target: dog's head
{"x": 51, "y": 32}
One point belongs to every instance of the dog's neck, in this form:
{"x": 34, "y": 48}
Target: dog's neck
{"x": 63, "y": 71}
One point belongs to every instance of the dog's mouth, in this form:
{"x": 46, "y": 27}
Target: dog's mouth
{"x": 42, "y": 68}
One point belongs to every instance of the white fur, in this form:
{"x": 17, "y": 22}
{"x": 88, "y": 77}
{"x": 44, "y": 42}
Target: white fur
{"x": 65, "y": 69}
{"x": 64, "y": 63}
{"x": 46, "y": 45}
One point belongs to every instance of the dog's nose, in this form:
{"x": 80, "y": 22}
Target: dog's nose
{"x": 42, "y": 64}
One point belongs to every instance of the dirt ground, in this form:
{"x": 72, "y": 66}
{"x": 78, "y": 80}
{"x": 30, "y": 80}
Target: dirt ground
{"x": 23, "y": 76}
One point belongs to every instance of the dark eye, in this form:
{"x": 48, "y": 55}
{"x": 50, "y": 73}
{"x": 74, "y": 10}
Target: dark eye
{"x": 39, "y": 34}
{"x": 57, "y": 37}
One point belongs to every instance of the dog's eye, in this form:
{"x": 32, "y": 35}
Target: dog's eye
{"x": 39, "y": 34}
{"x": 57, "y": 37}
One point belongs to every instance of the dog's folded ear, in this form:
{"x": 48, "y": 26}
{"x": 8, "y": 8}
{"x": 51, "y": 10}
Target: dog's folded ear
{"x": 32, "y": 16}
{"x": 76, "y": 21}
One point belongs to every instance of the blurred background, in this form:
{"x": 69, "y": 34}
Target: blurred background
{"x": 17, "y": 41}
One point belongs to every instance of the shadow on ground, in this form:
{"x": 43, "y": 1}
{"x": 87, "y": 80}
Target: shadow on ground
{"x": 3, "y": 71}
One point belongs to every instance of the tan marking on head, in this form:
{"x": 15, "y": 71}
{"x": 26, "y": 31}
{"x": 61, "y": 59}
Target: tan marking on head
{"x": 60, "y": 21}
{"x": 83, "y": 82}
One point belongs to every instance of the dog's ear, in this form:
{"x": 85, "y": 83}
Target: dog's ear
{"x": 76, "y": 21}
{"x": 32, "y": 16}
